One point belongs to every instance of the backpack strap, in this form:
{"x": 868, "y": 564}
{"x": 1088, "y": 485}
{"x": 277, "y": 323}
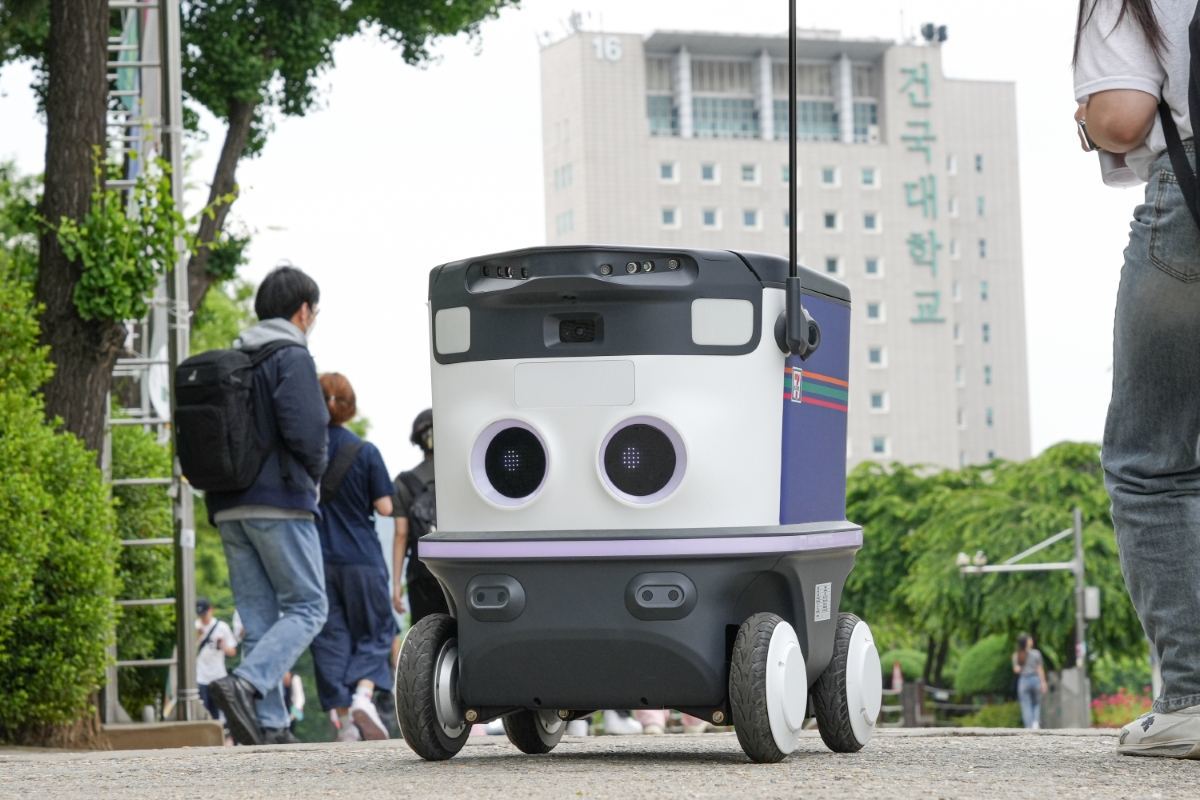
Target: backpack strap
{"x": 267, "y": 350}
{"x": 331, "y": 481}
{"x": 1185, "y": 173}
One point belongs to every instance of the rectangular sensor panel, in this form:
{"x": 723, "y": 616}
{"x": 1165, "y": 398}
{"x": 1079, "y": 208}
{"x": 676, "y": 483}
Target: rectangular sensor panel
{"x": 452, "y": 330}
{"x": 574, "y": 384}
{"x": 722, "y": 322}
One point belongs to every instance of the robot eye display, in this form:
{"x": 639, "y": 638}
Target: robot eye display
{"x": 515, "y": 463}
{"x": 642, "y": 460}
{"x": 509, "y": 463}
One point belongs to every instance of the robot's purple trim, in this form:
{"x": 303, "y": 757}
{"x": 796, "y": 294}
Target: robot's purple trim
{"x": 642, "y": 548}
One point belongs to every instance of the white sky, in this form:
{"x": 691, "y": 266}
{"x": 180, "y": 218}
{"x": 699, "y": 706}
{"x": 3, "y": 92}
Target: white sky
{"x": 403, "y": 169}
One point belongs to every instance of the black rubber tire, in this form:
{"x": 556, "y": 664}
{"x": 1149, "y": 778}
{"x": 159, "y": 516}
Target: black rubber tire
{"x": 829, "y": 693}
{"x": 415, "y": 709}
{"x": 528, "y": 736}
{"x": 748, "y": 689}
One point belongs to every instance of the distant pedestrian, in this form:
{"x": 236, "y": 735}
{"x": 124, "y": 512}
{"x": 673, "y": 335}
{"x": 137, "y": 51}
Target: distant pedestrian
{"x": 351, "y": 653}
{"x": 268, "y": 530}
{"x": 1030, "y": 669}
{"x": 416, "y": 512}
{"x": 214, "y": 643}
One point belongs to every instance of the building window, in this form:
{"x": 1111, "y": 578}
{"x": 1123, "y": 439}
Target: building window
{"x": 832, "y": 221}
{"x": 716, "y": 116}
{"x": 750, "y": 218}
{"x": 833, "y": 265}
{"x": 956, "y": 291}
{"x": 983, "y": 290}
{"x": 991, "y": 419}
{"x": 979, "y": 205}
{"x": 830, "y": 176}
{"x": 866, "y": 122}
{"x": 785, "y": 174}
{"x": 871, "y": 221}
{"x": 870, "y": 178}
{"x": 670, "y": 217}
{"x": 951, "y": 164}
{"x": 987, "y": 374}
{"x": 983, "y": 248}
{"x": 987, "y": 333}
{"x": 978, "y": 162}
{"x": 879, "y": 403}
{"x": 668, "y": 172}
{"x": 879, "y": 445}
{"x": 710, "y": 218}
{"x": 873, "y": 267}
{"x": 787, "y": 218}
{"x": 816, "y": 120}
{"x": 953, "y": 207}
{"x": 958, "y": 333}
{"x": 962, "y": 419}
{"x": 954, "y": 250}
{"x": 664, "y": 116}
{"x": 749, "y": 173}
{"x": 876, "y": 357}
{"x": 991, "y": 456}
{"x": 875, "y": 311}
{"x": 563, "y": 176}
{"x": 565, "y": 222}
{"x": 960, "y": 376}
{"x": 710, "y": 173}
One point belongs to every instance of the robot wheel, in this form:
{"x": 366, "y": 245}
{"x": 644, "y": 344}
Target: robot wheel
{"x": 426, "y": 690}
{"x": 848, "y": 695}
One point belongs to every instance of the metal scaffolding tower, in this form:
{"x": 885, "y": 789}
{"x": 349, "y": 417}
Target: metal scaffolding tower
{"x": 145, "y": 122}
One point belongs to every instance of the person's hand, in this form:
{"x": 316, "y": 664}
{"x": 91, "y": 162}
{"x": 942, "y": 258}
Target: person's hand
{"x": 398, "y": 599}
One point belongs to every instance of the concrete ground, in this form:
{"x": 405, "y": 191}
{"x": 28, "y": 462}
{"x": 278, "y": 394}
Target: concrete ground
{"x": 956, "y": 763}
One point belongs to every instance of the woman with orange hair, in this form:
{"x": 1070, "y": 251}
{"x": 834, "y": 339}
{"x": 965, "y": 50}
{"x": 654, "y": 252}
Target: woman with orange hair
{"x": 351, "y": 652}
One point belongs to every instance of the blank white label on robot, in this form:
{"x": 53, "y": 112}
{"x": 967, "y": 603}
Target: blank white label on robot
{"x": 575, "y": 384}
{"x": 823, "y": 602}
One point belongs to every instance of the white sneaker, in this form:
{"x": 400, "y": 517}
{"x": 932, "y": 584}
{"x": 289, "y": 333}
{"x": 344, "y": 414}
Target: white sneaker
{"x": 619, "y": 725}
{"x": 1175, "y": 734}
{"x": 653, "y": 729}
{"x": 577, "y": 727}
{"x": 349, "y": 733}
{"x": 366, "y": 717}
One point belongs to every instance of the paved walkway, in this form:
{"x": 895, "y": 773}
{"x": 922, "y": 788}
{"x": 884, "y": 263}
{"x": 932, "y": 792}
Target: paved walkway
{"x": 897, "y": 764}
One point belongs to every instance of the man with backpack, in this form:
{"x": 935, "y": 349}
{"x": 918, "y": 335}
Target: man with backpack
{"x": 416, "y": 515}
{"x": 251, "y": 432}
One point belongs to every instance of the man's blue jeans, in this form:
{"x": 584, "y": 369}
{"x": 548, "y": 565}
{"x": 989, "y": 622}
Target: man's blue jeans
{"x": 1151, "y": 452}
{"x": 278, "y": 579}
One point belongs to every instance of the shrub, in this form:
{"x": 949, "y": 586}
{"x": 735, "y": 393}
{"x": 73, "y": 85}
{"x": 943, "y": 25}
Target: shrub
{"x": 997, "y": 715}
{"x": 58, "y": 549}
{"x": 986, "y": 667}
{"x": 1114, "y": 710}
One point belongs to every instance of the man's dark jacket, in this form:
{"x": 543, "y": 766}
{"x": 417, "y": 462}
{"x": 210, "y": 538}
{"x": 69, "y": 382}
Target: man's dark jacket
{"x": 290, "y": 414}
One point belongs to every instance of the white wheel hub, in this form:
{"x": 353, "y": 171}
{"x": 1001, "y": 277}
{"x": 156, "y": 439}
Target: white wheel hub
{"x": 549, "y": 722}
{"x": 864, "y": 683}
{"x": 787, "y": 687}
{"x": 445, "y": 690}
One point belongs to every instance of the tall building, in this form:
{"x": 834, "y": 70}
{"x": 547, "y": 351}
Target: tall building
{"x": 907, "y": 192}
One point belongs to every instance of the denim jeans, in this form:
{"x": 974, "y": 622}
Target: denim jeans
{"x": 278, "y": 579}
{"x": 1151, "y": 451}
{"x": 1029, "y": 693}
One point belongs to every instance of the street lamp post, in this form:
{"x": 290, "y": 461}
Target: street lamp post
{"x": 978, "y": 565}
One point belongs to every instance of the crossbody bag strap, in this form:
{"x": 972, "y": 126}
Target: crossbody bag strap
{"x": 331, "y": 481}
{"x": 1185, "y": 173}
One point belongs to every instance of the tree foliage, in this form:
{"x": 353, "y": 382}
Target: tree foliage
{"x": 917, "y": 522}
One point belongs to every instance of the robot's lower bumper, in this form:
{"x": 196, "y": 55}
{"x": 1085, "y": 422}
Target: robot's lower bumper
{"x": 630, "y": 619}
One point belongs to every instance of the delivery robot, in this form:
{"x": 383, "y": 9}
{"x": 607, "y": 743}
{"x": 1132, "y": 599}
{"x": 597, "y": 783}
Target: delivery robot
{"x": 641, "y": 468}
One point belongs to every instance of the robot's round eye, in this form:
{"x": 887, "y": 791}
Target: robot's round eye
{"x": 642, "y": 460}
{"x": 515, "y": 462}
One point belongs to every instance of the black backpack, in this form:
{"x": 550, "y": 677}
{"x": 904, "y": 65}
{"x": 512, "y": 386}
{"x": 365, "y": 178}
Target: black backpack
{"x": 218, "y": 444}
{"x": 422, "y": 519}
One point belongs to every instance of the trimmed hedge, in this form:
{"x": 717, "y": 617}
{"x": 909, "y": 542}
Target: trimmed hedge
{"x": 58, "y": 548}
{"x": 986, "y": 667}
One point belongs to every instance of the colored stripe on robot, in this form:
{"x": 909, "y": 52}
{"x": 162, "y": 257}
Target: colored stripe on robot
{"x": 818, "y": 390}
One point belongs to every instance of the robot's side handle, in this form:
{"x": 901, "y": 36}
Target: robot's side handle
{"x": 796, "y": 331}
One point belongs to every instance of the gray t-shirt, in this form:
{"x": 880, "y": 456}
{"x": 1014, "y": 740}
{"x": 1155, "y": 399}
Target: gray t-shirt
{"x": 1033, "y": 660}
{"x": 1118, "y": 56}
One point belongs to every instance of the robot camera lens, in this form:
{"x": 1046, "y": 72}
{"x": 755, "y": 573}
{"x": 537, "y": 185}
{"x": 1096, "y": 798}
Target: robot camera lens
{"x": 640, "y": 460}
{"x": 515, "y": 462}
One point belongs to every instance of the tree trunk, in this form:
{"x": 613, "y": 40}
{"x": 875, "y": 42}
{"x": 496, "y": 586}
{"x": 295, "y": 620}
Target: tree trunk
{"x": 83, "y": 352}
{"x": 930, "y": 651}
{"x": 241, "y": 117}
{"x": 939, "y": 666}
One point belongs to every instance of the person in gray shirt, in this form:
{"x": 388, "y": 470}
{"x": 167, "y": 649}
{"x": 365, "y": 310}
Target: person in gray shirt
{"x": 1029, "y": 667}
